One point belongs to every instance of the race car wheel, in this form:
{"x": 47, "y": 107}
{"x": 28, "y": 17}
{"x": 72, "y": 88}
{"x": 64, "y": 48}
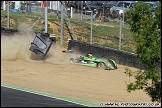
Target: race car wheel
{"x": 72, "y": 60}
{"x": 112, "y": 62}
{"x": 101, "y": 65}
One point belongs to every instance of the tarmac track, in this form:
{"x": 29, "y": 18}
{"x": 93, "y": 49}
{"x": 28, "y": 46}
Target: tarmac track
{"x": 15, "y": 98}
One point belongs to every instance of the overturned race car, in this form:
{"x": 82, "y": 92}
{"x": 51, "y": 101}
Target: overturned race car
{"x": 89, "y": 60}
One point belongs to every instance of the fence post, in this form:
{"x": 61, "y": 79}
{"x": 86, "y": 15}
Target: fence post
{"x": 120, "y": 34}
{"x": 8, "y": 15}
{"x": 62, "y": 24}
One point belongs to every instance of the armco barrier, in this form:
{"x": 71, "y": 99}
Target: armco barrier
{"x": 121, "y": 57}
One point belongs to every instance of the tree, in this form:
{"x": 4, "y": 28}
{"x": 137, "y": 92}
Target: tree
{"x": 146, "y": 29}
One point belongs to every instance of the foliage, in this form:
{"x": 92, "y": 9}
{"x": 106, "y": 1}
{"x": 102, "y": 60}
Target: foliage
{"x": 146, "y": 29}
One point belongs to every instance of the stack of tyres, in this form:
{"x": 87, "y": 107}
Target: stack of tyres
{"x": 41, "y": 44}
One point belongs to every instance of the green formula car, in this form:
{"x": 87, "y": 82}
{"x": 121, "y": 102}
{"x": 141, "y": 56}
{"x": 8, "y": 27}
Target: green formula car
{"x": 90, "y": 60}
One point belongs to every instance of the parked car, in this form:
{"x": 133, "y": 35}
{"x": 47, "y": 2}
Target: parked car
{"x": 122, "y": 6}
{"x": 78, "y": 4}
{"x": 107, "y": 6}
{"x": 153, "y": 5}
{"x": 113, "y": 2}
{"x": 93, "y": 6}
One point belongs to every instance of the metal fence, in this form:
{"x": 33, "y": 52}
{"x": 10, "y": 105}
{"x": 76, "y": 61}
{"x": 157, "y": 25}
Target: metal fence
{"x": 112, "y": 32}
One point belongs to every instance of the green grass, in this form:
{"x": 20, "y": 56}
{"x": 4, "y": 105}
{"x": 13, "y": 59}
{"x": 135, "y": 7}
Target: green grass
{"x": 106, "y": 35}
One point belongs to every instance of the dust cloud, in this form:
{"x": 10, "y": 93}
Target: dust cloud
{"x": 16, "y": 47}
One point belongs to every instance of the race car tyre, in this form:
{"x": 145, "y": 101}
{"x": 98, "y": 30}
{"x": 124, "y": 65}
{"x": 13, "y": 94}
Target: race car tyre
{"x": 72, "y": 60}
{"x": 101, "y": 65}
{"x": 112, "y": 62}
